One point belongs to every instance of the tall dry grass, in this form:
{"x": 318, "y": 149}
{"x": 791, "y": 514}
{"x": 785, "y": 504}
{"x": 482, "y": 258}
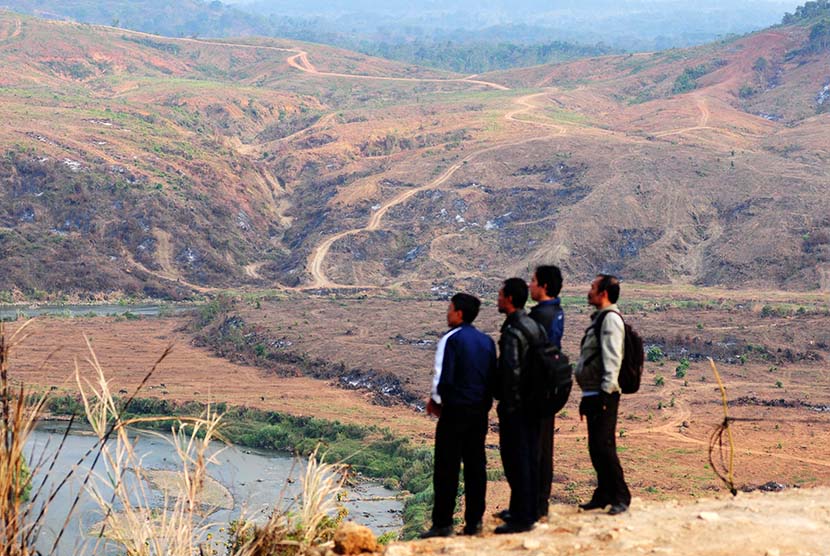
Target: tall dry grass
{"x": 113, "y": 475}
{"x": 18, "y": 530}
{"x": 310, "y": 527}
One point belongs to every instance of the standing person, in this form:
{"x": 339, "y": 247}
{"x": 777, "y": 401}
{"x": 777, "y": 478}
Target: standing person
{"x": 518, "y": 429}
{"x": 461, "y": 397}
{"x": 597, "y": 373}
{"x": 544, "y": 290}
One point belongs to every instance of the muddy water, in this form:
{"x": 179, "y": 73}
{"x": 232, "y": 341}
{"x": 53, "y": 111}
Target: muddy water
{"x": 255, "y": 480}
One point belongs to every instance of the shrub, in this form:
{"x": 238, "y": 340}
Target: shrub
{"x": 654, "y": 354}
{"x": 747, "y": 91}
{"x": 682, "y": 368}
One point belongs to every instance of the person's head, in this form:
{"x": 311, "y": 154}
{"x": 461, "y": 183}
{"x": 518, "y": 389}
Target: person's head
{"x": 463, "y": 308}
{"x": 512, "y": 295}
{"x": 546, "y": 283}
{"x": 605, "y": 290}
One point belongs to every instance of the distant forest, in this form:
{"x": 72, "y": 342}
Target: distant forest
{"x": 459, "y": 35}
{"x": 201, "y": 18}
{"x": 810, "y": 10}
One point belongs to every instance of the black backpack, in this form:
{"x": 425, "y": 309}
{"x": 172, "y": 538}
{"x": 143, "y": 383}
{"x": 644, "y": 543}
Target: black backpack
{"x": 631, "y": 369}
{"x": 549, "y": 377}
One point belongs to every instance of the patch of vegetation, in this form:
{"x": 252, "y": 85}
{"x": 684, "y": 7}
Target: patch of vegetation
{"x": 654, "y": 354}
{"x": 747, "y": 91}
{"x": 809, "y": 10}
{"x": 687, "y": 81}
{"x": 169, "y": 47}
{"x": 480, "y": 56}
{"x": 682, "y": 368}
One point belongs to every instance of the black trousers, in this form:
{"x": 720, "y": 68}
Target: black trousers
{"x": 545, "y": 465}
{"x": 601, "y": 414}
{"x": 459, "y": 436}
{"x": 519, "y": 444}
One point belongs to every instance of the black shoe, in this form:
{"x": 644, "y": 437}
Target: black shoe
{"x": 592, "y": 505}
{"x": 513, "y": 527}
{"x": 617, "y": 509}
{"x": 503, "y": 515}
{"x": 437, "y": 532}
{"x": 472, "y": 529}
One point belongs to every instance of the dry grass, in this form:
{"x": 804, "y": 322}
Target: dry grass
{"x": 18, "y": 532}
{"x": 311, "y": 525}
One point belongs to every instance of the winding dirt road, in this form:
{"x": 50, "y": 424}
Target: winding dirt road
{"x": 301, "y": 62}
{"x": 318, "y": 255}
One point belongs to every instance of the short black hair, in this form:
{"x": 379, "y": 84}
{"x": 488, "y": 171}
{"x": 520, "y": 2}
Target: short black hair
{"x": 550, "y": 277}
{"x": 516, "y": 290}
{"x": 611, "y": 284}
{"x": 468, "y": 305}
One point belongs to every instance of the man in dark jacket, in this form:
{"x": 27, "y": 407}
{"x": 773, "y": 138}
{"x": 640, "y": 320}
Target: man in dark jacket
{"x": 518, "y": 429}
{"x": 461, "y": 397}
{"x": 544, "y": 290}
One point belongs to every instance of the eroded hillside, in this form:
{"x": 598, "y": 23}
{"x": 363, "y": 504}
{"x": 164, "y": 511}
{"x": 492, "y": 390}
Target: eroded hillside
{"x": 160, "y": 166}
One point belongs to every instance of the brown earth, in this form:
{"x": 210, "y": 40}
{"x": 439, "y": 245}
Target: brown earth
{"x": 756, "y": 524}
{"x": 318, "y": 168}
{"x": 128, "y": 349}
{"x": 774, "y": 367}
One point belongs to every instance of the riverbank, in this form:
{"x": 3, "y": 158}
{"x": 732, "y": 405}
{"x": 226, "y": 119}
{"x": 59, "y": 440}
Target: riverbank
{"x": 370, "y": 451}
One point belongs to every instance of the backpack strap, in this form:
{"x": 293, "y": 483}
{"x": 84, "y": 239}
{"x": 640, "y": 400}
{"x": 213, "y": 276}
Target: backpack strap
{"x": 597, "y": 326}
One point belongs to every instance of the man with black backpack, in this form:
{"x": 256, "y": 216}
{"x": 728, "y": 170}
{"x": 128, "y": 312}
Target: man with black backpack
{"x": 544, "y": 290}
{"x": 598, "y": 375}
{"x": 518, "y": 423}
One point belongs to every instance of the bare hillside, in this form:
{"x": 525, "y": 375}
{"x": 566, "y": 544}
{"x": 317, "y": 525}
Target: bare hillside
{"x": 163, "y": 167}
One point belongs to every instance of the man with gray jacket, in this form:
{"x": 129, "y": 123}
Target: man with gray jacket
{"x": 597, "y": 374}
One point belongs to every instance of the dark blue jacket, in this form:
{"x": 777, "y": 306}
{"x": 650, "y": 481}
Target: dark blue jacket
{"x": 551, "y": 316}
{"x": 468, "y": 369}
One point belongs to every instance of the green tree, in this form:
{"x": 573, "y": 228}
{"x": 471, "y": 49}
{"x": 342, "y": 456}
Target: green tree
{"x": 820, "y": 36}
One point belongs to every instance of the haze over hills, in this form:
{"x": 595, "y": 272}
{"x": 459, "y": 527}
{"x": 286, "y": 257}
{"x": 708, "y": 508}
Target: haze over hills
{"x": 458, "y": 35}
{"x": 159, "y": 166}
{"x": 631, "y": 24}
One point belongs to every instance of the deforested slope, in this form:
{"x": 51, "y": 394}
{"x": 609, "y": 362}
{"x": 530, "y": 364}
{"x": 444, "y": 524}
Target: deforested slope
{"x": 162, "y": 166}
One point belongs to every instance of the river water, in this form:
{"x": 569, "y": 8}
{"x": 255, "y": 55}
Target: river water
{"x": 9, "y": 312}
{"x": 255, "y": 479}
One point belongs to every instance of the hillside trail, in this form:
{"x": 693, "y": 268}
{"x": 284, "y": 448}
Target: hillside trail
{"x": 301, "y": 62}
{"x": 318, "y": 255}
{"x": 174, "y": 277}
{"x": 702, "y": 122}
{"x": 7, "y": 35}
{"x": 794, "y": 521}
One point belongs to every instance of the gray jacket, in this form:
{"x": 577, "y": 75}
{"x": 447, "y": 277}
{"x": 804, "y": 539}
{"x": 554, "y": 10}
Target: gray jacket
{"x": 599, "y": 366}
